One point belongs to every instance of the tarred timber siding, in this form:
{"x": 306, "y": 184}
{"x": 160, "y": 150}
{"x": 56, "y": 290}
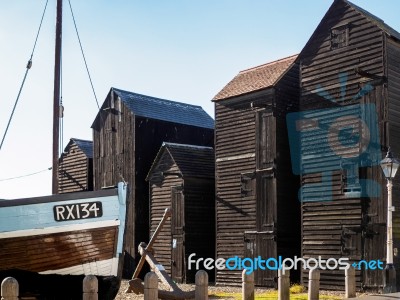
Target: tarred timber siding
{"x": 75, "y": 172}
{"x": 234, "y": 138}
{"x": 342, "y": 226}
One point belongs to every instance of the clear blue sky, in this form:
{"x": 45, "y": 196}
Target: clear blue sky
{"x": 179, "y": 50}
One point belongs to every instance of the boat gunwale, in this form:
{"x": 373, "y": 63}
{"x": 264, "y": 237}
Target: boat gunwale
{"x": 59, "y": 197}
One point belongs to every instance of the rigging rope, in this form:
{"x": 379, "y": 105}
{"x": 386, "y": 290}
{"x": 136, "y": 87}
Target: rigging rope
{"x": 83, "y": 55}
{"x": 26, "y": 175}
{"x": 28, "y": 67}
{"x": 61, "y": 123}
{"x": 61, "y": 113}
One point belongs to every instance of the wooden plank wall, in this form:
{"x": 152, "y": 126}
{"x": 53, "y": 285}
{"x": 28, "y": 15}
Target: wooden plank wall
{"x": 199, "y": 216}
{"x": 149, "y": 136}
{"x": 125, "y": 145}
{"x": 324, "y": 222}
{"x": 235, "y": 146}
{"x": 160, "y": 199}
{"x": 236, "y": 154}
{"x": 321, "y": 66}
{"x": 374, "y": 209}
{"x": 114, "y": 161}
{"x": 74, "y": 171}
{"x": 393, "y": 74}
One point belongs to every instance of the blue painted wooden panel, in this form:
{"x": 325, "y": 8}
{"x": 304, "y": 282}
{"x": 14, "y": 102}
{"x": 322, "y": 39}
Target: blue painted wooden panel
{"x": 41, "y": 215}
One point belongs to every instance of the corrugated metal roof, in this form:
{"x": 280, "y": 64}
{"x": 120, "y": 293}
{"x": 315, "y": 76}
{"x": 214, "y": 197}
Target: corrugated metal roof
{"x": 192, "y": 160}
{"x": 256, "y": 78}
{"x": 377, "y": 21}
{"x": 165, "y": 110}
{"x": 85, "y": 146}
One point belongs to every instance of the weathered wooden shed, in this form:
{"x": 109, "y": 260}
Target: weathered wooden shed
{"x": 127, "y": 134}
{"x": 182, "y": 177}
{"x": 257, "y": 210}
{"x": 350, "y": 80}
{"x": 76, "y": 167}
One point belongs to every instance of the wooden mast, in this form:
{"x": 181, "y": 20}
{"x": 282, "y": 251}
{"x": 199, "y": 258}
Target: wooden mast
{"x": 56, "y": 96}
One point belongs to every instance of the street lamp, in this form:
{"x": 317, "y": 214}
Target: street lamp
{"x": 389, "y": 166}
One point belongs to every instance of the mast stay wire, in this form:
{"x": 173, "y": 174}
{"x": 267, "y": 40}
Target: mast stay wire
{"x": 26, "y": 175}
{"x": 61, "y": 113}
{"x": 90, "y": 79}
{"x": 28, "y": 67}
{"x": 83, "y": 54}
{"x": 61, "y": 118}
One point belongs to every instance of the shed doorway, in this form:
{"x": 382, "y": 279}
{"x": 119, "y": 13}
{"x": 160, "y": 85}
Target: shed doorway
{"x": 262, "y": 242}
{"x": 177, "y": 234}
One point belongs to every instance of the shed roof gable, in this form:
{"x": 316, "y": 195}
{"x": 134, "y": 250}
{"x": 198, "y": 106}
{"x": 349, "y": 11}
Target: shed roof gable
{"x": 332, "y": 11}
{"x": 192, "y": 160}
{"x": 165, "y": 110}
{"x": 85, "y": 145}
{"x": 377, "y": 21}
{"x": 256, "y": 78}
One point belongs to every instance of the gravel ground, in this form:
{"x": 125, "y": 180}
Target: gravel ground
{"x": 187, "y": 287}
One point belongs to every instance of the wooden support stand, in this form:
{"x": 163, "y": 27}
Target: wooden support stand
{"x": 136, "y": 285}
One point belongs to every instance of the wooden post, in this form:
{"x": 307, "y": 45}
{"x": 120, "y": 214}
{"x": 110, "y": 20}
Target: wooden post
{"x": 56, "y": 96}
{"x": 201, "y": 280}
{"x": 151, "y": 286}
{"x": 350, "y": 282}
{"x": 247, "y": 285}
{"x": 90, "y": 288}
{"x": 283, "y": 284}
{"x": 9, "y": 289}
{"x": 313, "y": 284}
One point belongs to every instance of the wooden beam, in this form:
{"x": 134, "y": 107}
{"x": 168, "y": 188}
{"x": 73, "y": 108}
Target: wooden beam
{"x": 164, "y": 219}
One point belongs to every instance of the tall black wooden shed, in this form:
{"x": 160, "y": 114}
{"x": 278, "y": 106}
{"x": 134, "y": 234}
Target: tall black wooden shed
{"x": 182, "y": 177}
{"x": 350, "y": 71}
{"x": 127, "y": 134}
{"x": 257, "y": 210}
{"x": 76, "y": 167}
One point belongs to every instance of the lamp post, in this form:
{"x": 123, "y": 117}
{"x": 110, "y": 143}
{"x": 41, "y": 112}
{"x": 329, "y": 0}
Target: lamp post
{"x": 389, "y": 166}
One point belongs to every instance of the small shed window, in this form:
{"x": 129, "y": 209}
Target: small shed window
{"x": 350, "y": 179}
{"x": 339, "y": 37}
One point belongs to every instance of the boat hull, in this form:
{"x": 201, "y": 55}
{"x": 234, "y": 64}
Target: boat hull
{"x": 69, "y": 234}
{"x": 85, "y": 251}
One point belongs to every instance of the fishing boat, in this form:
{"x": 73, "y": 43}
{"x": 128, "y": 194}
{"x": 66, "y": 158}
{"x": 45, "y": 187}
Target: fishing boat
{"x": 67, "y": 234}
{"x": 50, "y": 243}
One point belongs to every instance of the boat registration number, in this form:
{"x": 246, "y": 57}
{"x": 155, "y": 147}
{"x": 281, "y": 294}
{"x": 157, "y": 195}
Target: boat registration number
{"x": 69, "y": 212}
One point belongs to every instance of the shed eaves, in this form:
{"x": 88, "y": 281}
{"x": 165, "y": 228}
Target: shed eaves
{"x": 192, "y": 160}
{"x": 257, "y": 78}
{"x": 165, "y": 110}
{"x": 377, "y": 21}
{"x": 85, "y": 146}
